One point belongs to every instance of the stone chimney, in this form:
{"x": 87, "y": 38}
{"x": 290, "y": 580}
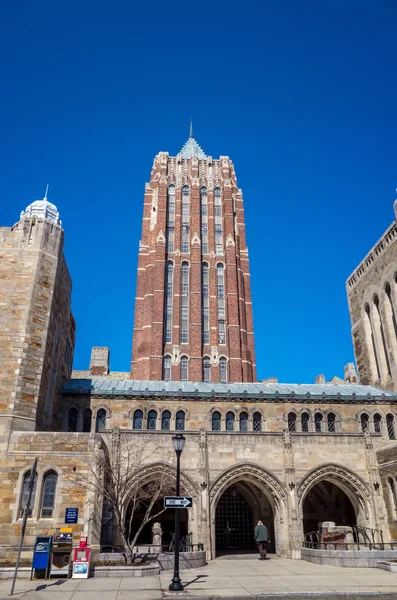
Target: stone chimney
{"x": 99, "y": 363}
{"x": 350, "y": 373}
{"x": 320, "y": 379}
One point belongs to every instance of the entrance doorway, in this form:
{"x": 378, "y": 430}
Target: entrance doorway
{"x": 237, "y": 512}
{"x": 326, "y": 501}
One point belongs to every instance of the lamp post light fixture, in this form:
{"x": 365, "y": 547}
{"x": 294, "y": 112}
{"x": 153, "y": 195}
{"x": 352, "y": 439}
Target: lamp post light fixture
{"x": 178, "y": 442}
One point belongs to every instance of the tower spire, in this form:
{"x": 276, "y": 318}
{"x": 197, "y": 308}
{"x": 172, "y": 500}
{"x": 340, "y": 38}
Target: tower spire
{"x": 46, "y": 193}
{"x": 191, "y": 128}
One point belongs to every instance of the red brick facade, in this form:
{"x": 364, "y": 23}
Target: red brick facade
{"x": 199, "y": 178}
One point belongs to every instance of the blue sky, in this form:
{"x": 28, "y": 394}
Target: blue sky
{"x": 301, "y": 96}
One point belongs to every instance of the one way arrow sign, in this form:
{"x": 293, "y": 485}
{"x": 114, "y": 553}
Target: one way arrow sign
{"x": 178, "y": 502}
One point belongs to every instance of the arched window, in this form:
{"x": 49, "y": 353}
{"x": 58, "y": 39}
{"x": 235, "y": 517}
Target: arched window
{"x": 87, "y": 418}
{"x": 292, "y": 421}
{"x": 73, "y": 418}
{"x": 364, "y": 419}
{"x": 48, "y": 496}
{"x": 151, "y": 420}
{"x": 204, "y": 220}
{"x": 331, "y": 419}
{"x": 185, "y": 304}
{"x": 185, "y": 219}
{"x": 184, "y": 368}
{"x": 220, "y": 293}
{"x": 180, "y": 421}
{"x": 379, "y": 324}
{"x": 169, "y": 297}
{"x": 25, "y": 494}
{"x": 166, "y": 420}
{"x": 101, "y": 419}
{"x": 229, "y": 421}
{"x": 377, "y": 423}
{"x": 223, "y": 369}
{"x": 167, "y": 368}
{"x": 205, "y": 302}
{"x": 257, "y": 421}
{"x": 243, "y": 421}
{"x": 318, "y": 422}
{"x": 390, "y": 427}
{"x": 216, "y": 421}
{"x": 370, "y": 332}
{"x": 390, "y": 309}
{"x": 171, "y": 218}
{"x": 206, "y": 369}
{"x": 218, "y": 221}
{"x": 305, "y": 419}
{"x": 392, "y": 487}
{"x": 138, "y": 419}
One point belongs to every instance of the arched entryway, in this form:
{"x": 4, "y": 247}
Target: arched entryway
{"x": 239, "y": 508}
{"x": 327, "y": 501}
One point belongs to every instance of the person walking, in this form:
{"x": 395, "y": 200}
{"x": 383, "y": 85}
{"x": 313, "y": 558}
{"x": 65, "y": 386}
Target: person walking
{"x": 261, "y": 538}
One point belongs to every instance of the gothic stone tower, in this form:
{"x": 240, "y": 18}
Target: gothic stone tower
{"x": 193, "y": 310}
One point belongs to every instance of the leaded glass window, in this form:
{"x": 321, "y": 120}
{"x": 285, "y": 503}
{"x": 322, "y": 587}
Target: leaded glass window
{"x": 138, "y": 419}
{"x": 223, "y": 369}
{"x": 257, "y": 421}
{"x": 185, "y": 304}
{"x": 169, "y": 296}
{"x": 218, "y": 221}
{"x": 25, "y": 494}
{"x": 318, "y": 422}
{"x": 216, "y": 421}
{"x": 48, "y": 498}
{"x": 331, "y": 422}
{"x": 292, "y": 421}
{"x": 204, "y": 220}
{"x": 243, "y": 421}
{"x": 206, "y": 369}
{"x": 184, "y": 368}
{"x": 205, "y": 303}
{"x": 166, "y": 420}
{"x": 305, "y": 422}
{"x": 87, "y": 418}
{"x": 185, "y": 219}
{"x": 229, "y": 421}
{"x": 170, "y": 218}
{"x": 101, "y": 419}
{"x": 364, "y": 422}
{"x": 377, "y": 423}
{"x": 390, "y": 427}
{"x": 167, "y": 368}
{"x": 220, "y": 292}
{"x": 151, "y": 419}
{"x": 180, "y": 421}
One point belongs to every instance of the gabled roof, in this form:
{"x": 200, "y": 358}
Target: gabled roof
{"x": 192, "y": 148}
{"x": 274, "y": 391}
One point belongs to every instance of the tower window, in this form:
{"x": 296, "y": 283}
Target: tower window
{"x": 218, "y": 221}
{"x": 169, "y": 296}
{"x": 48, "y": 497}
{"x": 184, "y": 368}
{"x": 167, "y": 368}
{"x": 223, "y": 369}
{"x": 216, "y": 421}
{"x": 206, "y": 369}
{"x": 331, "y": 423}
{"x": 185, "y": 304}
{"x": 151, "y": 420}
{"x": 318, "y": 422}
{"x": 292, "y": 421}
{"x": 230, "y": 421}
{"x": 138, "y": 419}
{"x": 185, "y": 219}
{"x": 364, "y": 422}
{"x": 377, "y": 423}
{"x": 244, "y": 421}
{"x": 73, "y": 417}
{"x": 220, "y": 292}
{"x": 87, "y": 418}
{"x": 166, "y": 420}
{"x": 180, "y": 421}
{"x": 101, "y": 420}
{"x": 170, "y": 218}
{"x": 305, "y": 422}
{"x": 204, "y": 220}
{"x": 390, "y": 427}
{"x": 205, "y": 298}
{"x": 257, "y": 421}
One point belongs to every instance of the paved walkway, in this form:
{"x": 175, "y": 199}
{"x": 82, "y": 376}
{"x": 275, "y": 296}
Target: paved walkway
{"x": 246, "y": 577}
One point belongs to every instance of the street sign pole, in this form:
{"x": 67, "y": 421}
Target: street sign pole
{"x": 24, "y": 519}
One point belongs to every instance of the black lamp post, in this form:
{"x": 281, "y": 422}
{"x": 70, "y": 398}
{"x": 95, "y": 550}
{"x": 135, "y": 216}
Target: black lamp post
{"x": 179, "y": 443}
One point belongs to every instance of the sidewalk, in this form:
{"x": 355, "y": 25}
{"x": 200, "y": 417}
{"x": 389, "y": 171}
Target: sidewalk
{"x": 244, "y": 578}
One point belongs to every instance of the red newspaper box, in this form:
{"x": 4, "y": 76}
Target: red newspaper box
{"x": 81, "y": 560}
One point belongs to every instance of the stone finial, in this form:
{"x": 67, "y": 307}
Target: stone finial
{"x": 350, "y": 373}
{"x": 320, "y": 379}
{"x": 42, "y": 209}
{"x": 100, "y": 359}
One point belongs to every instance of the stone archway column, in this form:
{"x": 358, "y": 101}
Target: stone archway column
{"x": 294, "y": 524}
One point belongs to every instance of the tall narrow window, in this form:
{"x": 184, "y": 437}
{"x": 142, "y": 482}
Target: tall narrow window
{"x": 393, "y": 494}
{"x": 230, "y": 421}
{"x": 257, "y": 421}
{"x": 138, "y": 419}
{"x": 218, "y": 221}
{"x": 184, "y": 368}
{"x": 390, "y": 427}
{"x": 305, "y": 422}
{"x": 169, "y": 296}
{"x": 377, "y": 423}
{"x": 318, "y": 422}
{"x": 151, "y": 420}
{"x": 180, "y": 421}
{"x": 185, "y": 219}
{"x": 166, "y": 420}
{"x": 101, "y": 419}
{"x": 87, "y": 418}
{"x": 205, "y": 302}
{"x": 185, "y": 303}
{"x": 171, "y": 218}
{"x": 222, "y": 369}
{"x": 220, "y": 293}
{"x": 331, "y": 423}
{"x": 244, "y": 421}
{"x": 206, "y": 369}
{"x": 391, "y": 308}
{"x": 216, "y": 421}
{"x": 167, "y": 368}
{"x": 368, "y": 327}
{"x": 204, "y": 220}
{"x": 292, "y": 422}
{"x": 364, "y": 422}
{"x": 48, "y": 497}
{"x": 25, "y": 493}
{"x": 382, "y": 334}
{"x": 73, "y": 417}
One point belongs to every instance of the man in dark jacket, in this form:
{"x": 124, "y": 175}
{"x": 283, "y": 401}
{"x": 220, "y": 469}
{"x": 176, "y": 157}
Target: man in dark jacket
{"x": 261, "y": 538}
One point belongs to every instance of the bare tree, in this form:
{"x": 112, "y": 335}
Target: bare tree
{"x": 128, "y": 472}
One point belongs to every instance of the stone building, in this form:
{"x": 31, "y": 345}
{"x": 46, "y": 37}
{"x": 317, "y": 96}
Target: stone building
{"x": 372, "y": 297}
{"x": 293, "y": 455}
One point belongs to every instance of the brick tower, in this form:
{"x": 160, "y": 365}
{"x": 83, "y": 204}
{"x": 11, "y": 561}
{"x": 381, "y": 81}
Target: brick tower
{"x": 193, "y": 310}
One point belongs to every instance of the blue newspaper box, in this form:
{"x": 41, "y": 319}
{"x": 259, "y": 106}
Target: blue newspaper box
{"x": 42, "y": 553}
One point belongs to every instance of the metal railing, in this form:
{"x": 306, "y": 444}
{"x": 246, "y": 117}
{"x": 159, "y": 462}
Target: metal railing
{"x": 364, "y": 538}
